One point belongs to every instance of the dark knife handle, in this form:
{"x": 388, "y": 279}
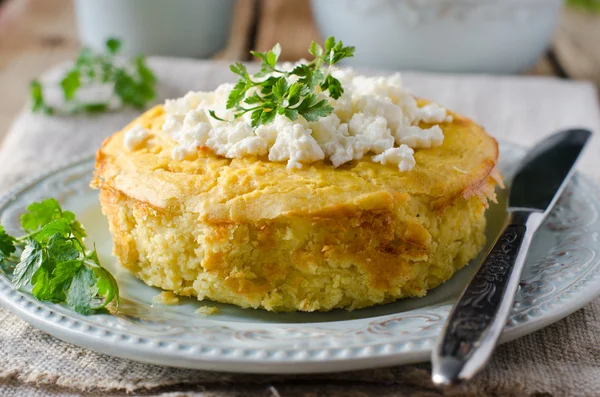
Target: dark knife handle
{"x": 477, "y": 319}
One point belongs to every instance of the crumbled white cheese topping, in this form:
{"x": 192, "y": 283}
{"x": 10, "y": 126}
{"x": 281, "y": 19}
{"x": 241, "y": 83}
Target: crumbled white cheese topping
{"x": 418, "y": 138}
{"x": 433, "y": 113}
{"x": 401, "y": 156}
{"x": 135, "y": 136}
{"x": 375, "y": 115}
{"x": 295, "y": 144}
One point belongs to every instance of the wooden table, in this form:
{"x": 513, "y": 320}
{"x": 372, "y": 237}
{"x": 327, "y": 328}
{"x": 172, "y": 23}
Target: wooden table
{"x": 35, "y": 34}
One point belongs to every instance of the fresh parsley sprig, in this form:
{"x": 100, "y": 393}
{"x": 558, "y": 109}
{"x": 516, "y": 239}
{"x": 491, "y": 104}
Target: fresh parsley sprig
{"x": 134, "y": 83}
{"x": 54, "y": 261}
{"x": 293, "y": 93}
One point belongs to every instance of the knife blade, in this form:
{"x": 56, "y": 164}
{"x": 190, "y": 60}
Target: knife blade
{"x": 475, "y": 323}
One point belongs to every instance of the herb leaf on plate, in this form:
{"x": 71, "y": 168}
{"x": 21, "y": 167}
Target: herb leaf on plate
{"x": 7, "y": 245}
{"x": 38, "y": 103}
{"x": 54, "y": 261}
{"x": 133, "y": 82}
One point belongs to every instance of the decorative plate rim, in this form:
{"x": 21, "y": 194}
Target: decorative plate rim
{"x": 263, "y": 359}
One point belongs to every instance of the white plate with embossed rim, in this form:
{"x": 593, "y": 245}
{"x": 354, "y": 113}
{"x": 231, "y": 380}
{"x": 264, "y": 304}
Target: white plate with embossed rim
{"x": 562, "y": 275}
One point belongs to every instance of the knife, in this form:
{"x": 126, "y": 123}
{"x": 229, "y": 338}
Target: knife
{"x": 477, "y": 319}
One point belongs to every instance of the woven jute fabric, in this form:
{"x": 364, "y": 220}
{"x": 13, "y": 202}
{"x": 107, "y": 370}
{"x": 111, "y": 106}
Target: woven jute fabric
{"x": 560, "y": 360}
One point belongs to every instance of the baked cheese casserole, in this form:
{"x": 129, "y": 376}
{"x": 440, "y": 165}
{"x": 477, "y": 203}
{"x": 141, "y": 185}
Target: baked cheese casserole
{"x": 307, "y": 232}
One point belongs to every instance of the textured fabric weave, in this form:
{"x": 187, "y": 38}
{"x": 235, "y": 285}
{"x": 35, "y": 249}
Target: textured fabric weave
{"x": 560, "y": 360}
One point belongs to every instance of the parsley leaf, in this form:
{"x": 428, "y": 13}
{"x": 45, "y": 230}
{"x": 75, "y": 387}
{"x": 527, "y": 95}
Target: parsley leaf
{"x": 38, "y": 104}
{"x": 269, "y": 60}
{"x": 7, "y": 245}
{"x": 91, "y": 107}
{"x": 70, "y": 84}
{"x": 113, "y": 45}
{"x": 54, "y": 261}
{"x": 237, "y": 94}
{"x": 129, "y": 90}
{"x": 290, "y": 93}
{"x": 239, "y": 69}
{"x": 308, "y": 76}
{"x": 107, "y": 285}
{"x": 333, "y": 85}
{"x": 135, "y": 90}
{"x": 62, "y": 275}
{"x": 41, "y": 286}
{"x": 133, "y": 83}
{"x": 40, "y": 214}
{"x": 62, "y": 249}
{"x": 146, "y": 74}
{"x": 57, "y": 227}
{"x": 82, "y": 291}
{"x": 311, "y": 108}
{"x": 31, "y": 259}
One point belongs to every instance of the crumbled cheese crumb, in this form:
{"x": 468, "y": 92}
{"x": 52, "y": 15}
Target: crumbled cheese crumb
{"x": 418, "y": 138}
{"x": 166, "y": 298}
{"x": 296, "y": 145}
{"x": 401, "y": 156}
{"x": 207, "y": 310}
{"x": 135, "y": 136}
{"x": 375, "y": 115}
{"x": 434, "y": 113}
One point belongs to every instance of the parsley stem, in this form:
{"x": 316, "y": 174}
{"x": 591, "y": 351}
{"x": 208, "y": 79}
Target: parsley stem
{"x": 79, "y": 243}
{"x": 246, "y": 110}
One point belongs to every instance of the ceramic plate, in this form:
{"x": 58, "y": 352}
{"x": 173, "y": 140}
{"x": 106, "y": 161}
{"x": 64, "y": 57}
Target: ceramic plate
{"x": 562, "y": 275}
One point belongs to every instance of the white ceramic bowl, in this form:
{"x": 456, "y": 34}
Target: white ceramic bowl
{"x": 189, "y": 28}
{"x": 487, "y": 36}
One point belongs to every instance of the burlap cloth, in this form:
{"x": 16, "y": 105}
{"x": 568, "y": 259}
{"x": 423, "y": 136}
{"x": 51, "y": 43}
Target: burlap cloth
{"x": 560, "y": 360}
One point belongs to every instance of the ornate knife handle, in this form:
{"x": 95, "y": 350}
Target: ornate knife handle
{"x": 477, "y": 319}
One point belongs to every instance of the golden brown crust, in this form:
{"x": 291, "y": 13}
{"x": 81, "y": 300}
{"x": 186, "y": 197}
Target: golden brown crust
{"x": 252, "y": 188}
{"x": 296, "y": 263}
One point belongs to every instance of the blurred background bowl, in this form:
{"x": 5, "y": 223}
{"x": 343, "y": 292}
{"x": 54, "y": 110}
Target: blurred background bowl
{"x": 188, "y": 28}
{"x": 481, "y": 36}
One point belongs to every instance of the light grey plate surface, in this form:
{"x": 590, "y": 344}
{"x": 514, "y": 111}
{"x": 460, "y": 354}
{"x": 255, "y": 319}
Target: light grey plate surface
{"x": 562, "y": 275}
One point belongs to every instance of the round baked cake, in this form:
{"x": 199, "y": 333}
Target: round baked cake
{"x": 249, "y": 226}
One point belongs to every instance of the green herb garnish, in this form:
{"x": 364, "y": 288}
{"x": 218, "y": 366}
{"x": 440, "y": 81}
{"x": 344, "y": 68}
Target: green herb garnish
{"x": 133, "y": 82}
{"x": 585, "y": 5}
{"x": 272, "y": 91}
{"x": 37, "y": 98}
{"x": 55, "y": 262}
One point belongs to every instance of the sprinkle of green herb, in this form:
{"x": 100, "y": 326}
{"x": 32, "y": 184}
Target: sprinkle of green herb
{"x": 586, "y": 5}
{"x": 70, "y": 84}
{"x": 133, "y": 83}
{"x": 7, "y": 245}
{"x": 38, "y": 104}
{"x": 113, "y": 45}
{"x": 278, "y": 93}
{"x": 54, "y": 261}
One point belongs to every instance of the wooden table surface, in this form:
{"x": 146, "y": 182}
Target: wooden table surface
{"x": 36, "y": 34}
